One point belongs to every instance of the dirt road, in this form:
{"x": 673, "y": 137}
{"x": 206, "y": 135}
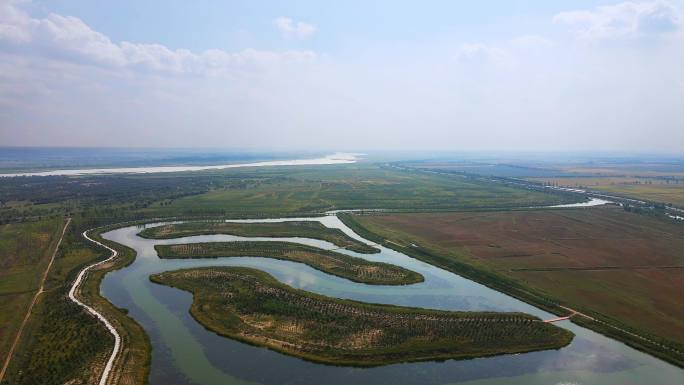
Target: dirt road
{"x": 33, "y": 302}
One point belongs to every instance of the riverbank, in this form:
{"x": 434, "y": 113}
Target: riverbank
{"x": 480, "y": 271}
{"x": 131, "y": 362}
{"x": 211, "y": 359}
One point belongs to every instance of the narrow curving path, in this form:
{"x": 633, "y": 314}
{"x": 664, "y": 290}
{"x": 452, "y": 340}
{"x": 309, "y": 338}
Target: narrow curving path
{"x": 40, "y": 290}
{"x": 552, "y": 320}
{"x": 72, "y": 295}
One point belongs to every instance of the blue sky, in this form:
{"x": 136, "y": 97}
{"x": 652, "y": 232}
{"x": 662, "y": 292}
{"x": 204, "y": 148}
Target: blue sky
{"x": 237, "y": 25}
{"x": 447, "y": 75}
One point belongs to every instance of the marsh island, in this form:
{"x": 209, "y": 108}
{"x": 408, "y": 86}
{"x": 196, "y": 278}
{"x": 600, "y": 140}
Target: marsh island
{"x": 250, "y": 305}
{"x": 331, "y": 262}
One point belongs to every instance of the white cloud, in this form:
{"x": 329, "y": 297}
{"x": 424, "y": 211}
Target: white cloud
{"x": 479, "y": 52}
{"x": 531, "y": 41}
{"x": 13, "y": 23}
{"x": 63, "y": 83}
{"x": 289, "y": 29}
{"x": 69, "y": 38}
{"x": 628, "y": 19}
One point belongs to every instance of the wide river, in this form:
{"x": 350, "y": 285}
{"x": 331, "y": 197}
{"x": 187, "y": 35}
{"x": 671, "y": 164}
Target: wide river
{"x": 183, "y": 352}
{"x": 337, "y": 158}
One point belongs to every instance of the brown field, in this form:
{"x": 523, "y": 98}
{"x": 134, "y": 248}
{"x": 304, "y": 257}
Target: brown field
{"x": 626, "y": 266}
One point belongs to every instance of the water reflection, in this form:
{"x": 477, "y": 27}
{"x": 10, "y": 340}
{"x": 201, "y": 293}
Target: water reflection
{"x": 185, "y": 352}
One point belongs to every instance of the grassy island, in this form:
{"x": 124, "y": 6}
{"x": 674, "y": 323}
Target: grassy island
{"x": 251, "y": 306}
{"x": 304, "y": 229}
{"x": 341, "y": 265}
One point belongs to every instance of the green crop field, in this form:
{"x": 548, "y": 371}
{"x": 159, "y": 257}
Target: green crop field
{"x": 25, "y": 251}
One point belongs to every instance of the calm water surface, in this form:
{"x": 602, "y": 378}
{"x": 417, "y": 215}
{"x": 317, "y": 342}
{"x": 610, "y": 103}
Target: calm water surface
{"x": 186, "y": 353}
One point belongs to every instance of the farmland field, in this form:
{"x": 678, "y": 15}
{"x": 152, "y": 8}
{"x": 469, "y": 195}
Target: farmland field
{"x": 624, "y": 266}
{"x": 649, "y": 189}
{"x": 658, "y": 183}
{"x": 25, "y": 251}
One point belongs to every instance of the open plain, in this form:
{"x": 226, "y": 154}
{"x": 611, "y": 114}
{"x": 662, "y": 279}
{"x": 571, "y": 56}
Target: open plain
{"x": 626, "y": 267}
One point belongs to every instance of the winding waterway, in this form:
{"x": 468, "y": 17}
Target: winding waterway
{"x": 186, "y": 353}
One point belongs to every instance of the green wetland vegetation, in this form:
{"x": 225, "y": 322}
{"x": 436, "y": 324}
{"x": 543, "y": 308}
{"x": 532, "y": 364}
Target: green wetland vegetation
{"x": 62, "y": 344}
{"x": 341, "y": 265}
{"x": 303, "y": 229}
{"x": 250, "y": 305}
{"x": 25, "y": 250}
{"x": 256, "y": 193}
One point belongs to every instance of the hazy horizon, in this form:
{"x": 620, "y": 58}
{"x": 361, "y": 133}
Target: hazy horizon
{"x": 589, "y": 76}
{"x": 332, "y": 192}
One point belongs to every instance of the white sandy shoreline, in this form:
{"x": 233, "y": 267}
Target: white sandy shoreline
{"x": 337, "y": 158}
